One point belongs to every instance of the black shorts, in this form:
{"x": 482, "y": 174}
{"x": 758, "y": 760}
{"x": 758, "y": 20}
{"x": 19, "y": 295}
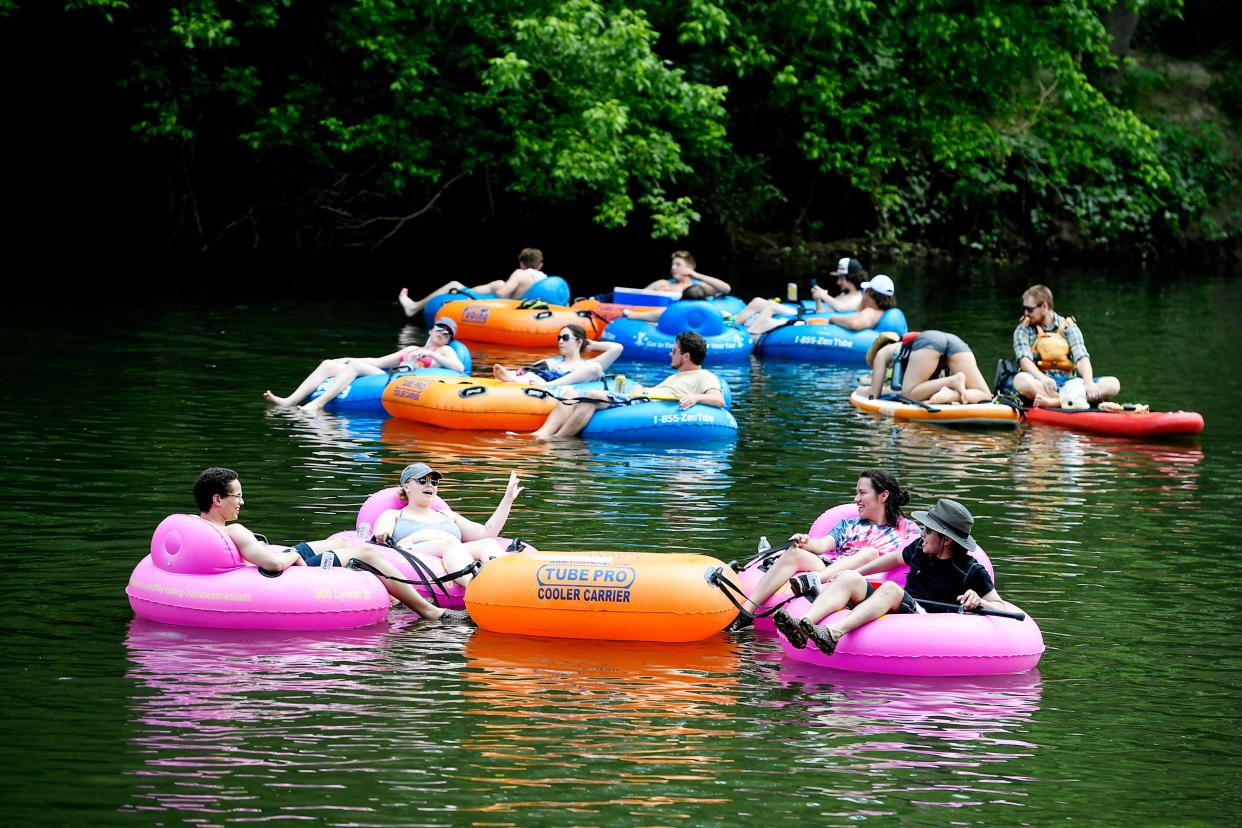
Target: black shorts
{"x": 908, "y": 604}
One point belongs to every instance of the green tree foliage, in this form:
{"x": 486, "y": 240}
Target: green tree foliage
{"x": 379, "y": 106}
{"x": 979, "y": 122}
{"x": 984, "y": 124}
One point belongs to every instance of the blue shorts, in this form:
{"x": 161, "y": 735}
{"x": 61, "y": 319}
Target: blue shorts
{"x": 312, "y": 559}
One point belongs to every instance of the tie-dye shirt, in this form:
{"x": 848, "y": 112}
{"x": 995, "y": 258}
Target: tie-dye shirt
{"x": 854, "y": 534}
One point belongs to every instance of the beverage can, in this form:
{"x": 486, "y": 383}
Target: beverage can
{"x": 364, "y": 531}
{"x": 326, "y": 560}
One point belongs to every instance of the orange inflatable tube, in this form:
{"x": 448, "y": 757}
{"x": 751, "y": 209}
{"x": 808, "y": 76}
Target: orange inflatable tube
{"x": 467, "y": 403}
{"x": 622, "y": 596}
{"x": 517, "y": 321}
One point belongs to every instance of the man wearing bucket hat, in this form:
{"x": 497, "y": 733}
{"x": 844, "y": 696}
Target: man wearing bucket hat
{"x": 941, "y": 570}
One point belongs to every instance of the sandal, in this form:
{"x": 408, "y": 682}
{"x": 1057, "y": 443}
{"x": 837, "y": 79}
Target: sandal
{"x": 743, "y": 621}
{"x": 452, "y": 616}
{"x": 821, "y": 635}
{"x": 788, "y": 627}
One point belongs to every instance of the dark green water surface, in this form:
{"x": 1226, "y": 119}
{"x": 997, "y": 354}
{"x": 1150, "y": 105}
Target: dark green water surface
{"x": 1119, "y": 548}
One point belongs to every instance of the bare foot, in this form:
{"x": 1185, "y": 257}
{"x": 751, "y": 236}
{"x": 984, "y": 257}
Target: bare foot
{"x": 314, "y": 406}
{"x": 275, "y": 400}
{"x": 503, "y": 373}
{"x": 407, "y": 304}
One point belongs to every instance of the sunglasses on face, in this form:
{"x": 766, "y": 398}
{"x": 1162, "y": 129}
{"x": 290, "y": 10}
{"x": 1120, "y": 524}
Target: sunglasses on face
{"x": 425, "y": 479}
{"x": 564, "y": 337}
{"x": 444, "y": 331}
{"x": 1030, "y": 309}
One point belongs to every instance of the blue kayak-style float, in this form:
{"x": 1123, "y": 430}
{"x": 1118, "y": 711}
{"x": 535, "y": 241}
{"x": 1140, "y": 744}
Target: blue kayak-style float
{"x": 552, "y": 289}
{"x": 364, "y": 395}
{"x": 814, "y": 339}
{"x": 726, "y": 341}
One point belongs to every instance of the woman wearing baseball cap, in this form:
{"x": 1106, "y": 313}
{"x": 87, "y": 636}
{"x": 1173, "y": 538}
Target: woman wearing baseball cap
{"x": 436, "y": 352}
{"x": 457, "y": 540}
{"x": 941, "y": 570}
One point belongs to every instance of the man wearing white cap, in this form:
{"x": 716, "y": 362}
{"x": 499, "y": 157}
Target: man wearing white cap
{"x": 877, "y": 297}
{"x": 941, "y": 570}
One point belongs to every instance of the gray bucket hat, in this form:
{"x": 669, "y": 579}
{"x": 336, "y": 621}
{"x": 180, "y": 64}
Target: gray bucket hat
{"x": 417, "y": 470}
{"x": 951, "y": 519}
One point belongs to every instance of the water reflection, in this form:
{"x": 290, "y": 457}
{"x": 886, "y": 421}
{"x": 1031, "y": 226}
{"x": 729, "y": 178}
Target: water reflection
{"x": 635, "y": 721}
{"x": 262, "y": 722}
{"x": 868, "y": 732}
{"x": 212, "y": 704}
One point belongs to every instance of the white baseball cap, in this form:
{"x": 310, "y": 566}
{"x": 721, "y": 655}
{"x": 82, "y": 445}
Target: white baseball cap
{"x": 880, "y": 284}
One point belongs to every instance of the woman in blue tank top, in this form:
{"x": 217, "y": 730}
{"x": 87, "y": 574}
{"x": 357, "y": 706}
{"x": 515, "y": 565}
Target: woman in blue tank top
{"x": 418, "y": 526}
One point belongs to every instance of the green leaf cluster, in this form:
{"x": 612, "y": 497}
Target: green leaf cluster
{"x": 989, "y": 123}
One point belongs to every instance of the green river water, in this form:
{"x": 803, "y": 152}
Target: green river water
{"x": 1116, "y": 547}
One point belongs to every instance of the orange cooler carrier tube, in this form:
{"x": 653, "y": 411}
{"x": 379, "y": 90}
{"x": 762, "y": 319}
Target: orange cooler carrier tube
{"x": 622, "y": 596}
{"x": 467, "y": 403}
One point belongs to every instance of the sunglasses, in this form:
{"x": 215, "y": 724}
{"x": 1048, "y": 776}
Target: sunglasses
{"x": 564, "y": 337}
{"x": 1030, "y": 309}
{"x": 443, "y": 330}
{"x": 424, "y": 480}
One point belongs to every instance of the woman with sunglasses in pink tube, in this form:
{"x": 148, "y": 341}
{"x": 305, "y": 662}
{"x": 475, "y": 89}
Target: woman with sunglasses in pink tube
{"x": 436, "y": 353}
{"x": 570, "y": 366}
{"x": 419, "y": 526}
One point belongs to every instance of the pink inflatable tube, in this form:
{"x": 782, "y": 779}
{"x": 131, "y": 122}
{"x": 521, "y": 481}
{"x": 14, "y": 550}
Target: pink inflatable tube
{"x": 195, "y": 577}
{"x": 749, "y": 576}
{"x": 935, "y": 644}
{"x": 449, "y": 594}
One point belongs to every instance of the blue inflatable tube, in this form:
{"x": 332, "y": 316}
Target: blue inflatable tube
{"x": 726, "y": 341}
{"x": 363, "y": 395}
{"x": 554, "y": 290}
{"x": 661, "y": 421}
{"x": 656, "y": 421}
{"x": 609, "y": 384}
{"x": 809, "y": 342}
{"x": 727, "y": 304}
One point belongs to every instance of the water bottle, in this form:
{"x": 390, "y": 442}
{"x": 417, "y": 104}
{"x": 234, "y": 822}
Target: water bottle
{"x": 764, "y": 546}
{"x": 791, "y": 292}
{"x": 326, "y": 560}
{"x": 364, "y": 531}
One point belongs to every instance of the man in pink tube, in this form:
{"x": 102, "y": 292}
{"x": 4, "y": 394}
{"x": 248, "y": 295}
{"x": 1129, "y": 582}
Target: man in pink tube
{"x": 218, "y": 493}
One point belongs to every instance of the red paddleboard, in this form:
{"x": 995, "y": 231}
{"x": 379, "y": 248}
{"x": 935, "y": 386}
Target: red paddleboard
{"x": 1123, "y": 423}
